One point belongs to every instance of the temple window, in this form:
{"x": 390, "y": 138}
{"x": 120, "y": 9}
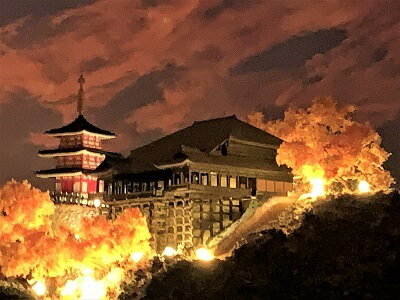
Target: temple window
{"x": 261, "y": 185}
{"x": 213, "y": 179}
{"x": 177, "y": 178}
{"x": 185, "y": 177}
{"x": 224, "y": 181}
{"x": 160, "y": 185}
{"x": 232, "y": 182}
{"x": 252, "y": 184}
{"x": 129, "y": 187}
{"x": 242, "y": 182}
{"x": 279, "y": 187}
{"x": 195, "y": 178}
{"x": 84, "y": 187}
{"x": 77, "y": 187}
{"x": 204, "y": 179}
{"x": 270, "y": 186}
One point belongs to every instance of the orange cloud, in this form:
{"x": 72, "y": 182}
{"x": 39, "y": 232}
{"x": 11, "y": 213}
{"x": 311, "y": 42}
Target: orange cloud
{"x": 117, "y": 42}
{"x": 39, "y": 139}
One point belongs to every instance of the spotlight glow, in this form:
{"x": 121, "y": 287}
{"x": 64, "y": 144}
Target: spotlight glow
{"x": 169, "y": 251}
{"x": 69, "y": 288}
{"x": 204, "y": 254}
{"x": 136, "y": 256}
{"x": 317, "y": 187}
{"x": 364, "y": 187}
{"x": 39, "y": 288}
{"x": 96, "y": 203}
{"x": 92, "y": 289}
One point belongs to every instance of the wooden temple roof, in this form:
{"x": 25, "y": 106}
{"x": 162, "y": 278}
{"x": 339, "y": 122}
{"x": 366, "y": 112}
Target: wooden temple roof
{"x": 202, "y": 137}
{"x": 63, "y": 171}
{"x": 61, "y": 151}
{"x": 78, "y": 125}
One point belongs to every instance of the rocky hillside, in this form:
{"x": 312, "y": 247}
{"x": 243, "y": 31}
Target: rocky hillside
{"x": 345, "y": 248}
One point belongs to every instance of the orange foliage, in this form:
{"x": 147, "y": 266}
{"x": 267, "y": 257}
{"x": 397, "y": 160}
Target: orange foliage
{"x": 32, "y": 247}
{"x": 323, "y": 141}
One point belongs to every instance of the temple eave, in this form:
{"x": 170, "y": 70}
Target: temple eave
{"x": 55, "y": 174}
{"x": 57, "y": 153}
{"x": 63, "y": 172}
{"x": 61, "y": 134}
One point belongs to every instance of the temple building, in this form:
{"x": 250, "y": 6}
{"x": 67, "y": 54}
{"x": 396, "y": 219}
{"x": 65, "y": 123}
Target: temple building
{"x": 194, "y": 183}
{"x": 78, "y": 154}
{"x": 224, "y": 155}
{"x": 191, "y": 184}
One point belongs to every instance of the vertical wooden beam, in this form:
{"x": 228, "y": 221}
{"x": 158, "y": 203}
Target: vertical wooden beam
{"x": 221, "y": 214}
{"x": 211, "y": 211}
{"x": 230, "y": 209}
{"x": 201, "y": 220}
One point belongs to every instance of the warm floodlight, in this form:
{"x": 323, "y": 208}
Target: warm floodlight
{"x": 317, "y": 187}
{"x": 136, "y": 256}
{"x": 364, "y": 187}
{"x": 169, "y": 251}
{"x": 39, "y": 288}
{"x": 96, "y": 203}
{"x": 204, "y": 254}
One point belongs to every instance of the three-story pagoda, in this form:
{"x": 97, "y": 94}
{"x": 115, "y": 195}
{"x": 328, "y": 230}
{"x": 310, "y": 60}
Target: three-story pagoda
{"x": 78, "y": 155}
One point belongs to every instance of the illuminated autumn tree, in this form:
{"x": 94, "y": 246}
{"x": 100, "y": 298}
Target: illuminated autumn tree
{"x": 322, "y": 141}
{"x": 32, "y": 246}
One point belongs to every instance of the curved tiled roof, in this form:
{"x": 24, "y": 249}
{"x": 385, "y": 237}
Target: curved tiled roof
{"x": 72, "y": 150}
{"x": 64, "y": 171}
{"x": 80, "y": 124}
{"x": 203, "y": 136}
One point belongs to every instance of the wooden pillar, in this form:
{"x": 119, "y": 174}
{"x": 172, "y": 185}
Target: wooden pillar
{"x": 211, "y": 211}
{"x": 221, "y": 214}
{"x": 201, "y": 221}
{"x": 230, "y": 209}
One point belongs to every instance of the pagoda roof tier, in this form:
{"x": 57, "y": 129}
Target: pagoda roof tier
{"x": 76, "y": 151}
{"x": 81, "y": 125}
{"x": 63, "y": 172}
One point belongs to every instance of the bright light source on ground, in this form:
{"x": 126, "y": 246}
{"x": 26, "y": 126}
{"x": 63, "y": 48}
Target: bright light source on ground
{"x": 39, "y": 288}
{"x": 69, "y": 288}
{"x": 204, "y": 254}
{"x": 317, "y": 187}
{"x": 364, "y": 187}
{"x": 169, "y": 251}
{"x": 96, "y": 203}
{"x": 92, "y": 289}
{"x": 136, "y": 256}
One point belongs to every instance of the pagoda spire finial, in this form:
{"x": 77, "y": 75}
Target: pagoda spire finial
{"x": 81, "y": 94}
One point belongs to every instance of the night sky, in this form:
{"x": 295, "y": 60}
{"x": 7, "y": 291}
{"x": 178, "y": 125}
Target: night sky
{"x": 155, "y": 66}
